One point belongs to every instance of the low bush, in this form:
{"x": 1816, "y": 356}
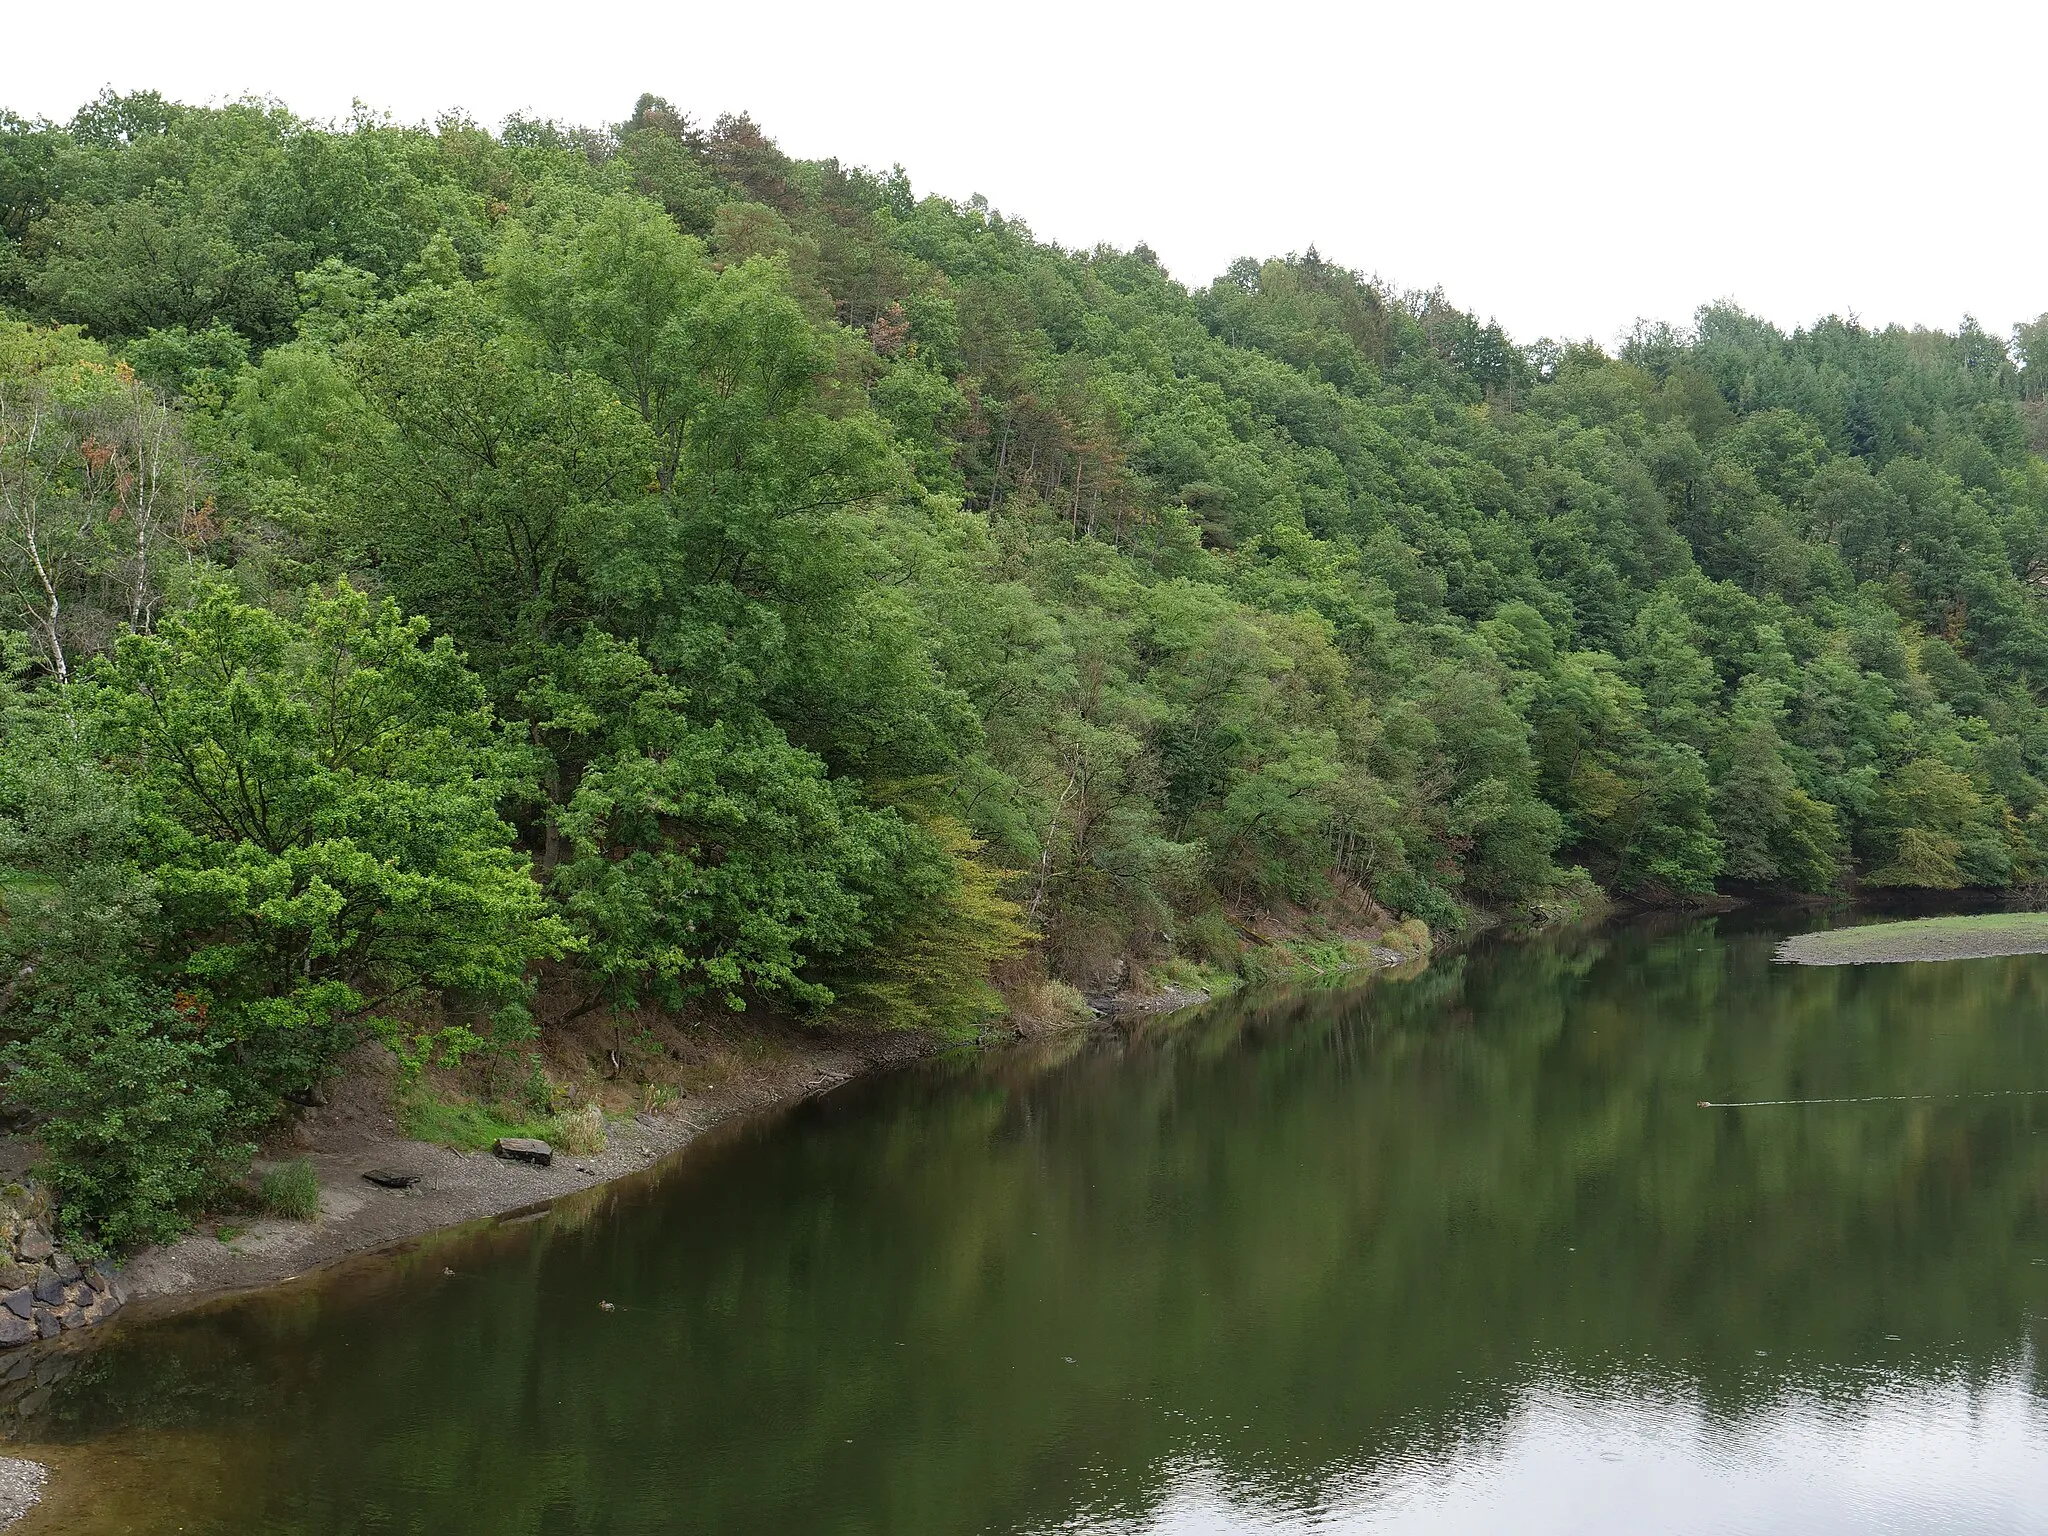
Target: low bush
{"x": 137, "y": 1129}
{"x": 1208, "y": 939}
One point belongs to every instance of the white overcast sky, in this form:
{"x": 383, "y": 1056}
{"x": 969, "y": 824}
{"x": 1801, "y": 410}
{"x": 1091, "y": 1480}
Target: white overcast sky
{"x": 1564, "y": 165}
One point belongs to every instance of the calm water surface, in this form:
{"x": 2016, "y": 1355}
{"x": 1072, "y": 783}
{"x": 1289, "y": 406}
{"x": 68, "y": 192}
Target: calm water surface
{"x": 1456, "y": 1253}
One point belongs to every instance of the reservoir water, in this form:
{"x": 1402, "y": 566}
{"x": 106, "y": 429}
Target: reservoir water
{"x": 1456, "y": 1252}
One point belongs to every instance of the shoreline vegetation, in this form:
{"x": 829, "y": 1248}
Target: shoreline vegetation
{"x": 759, "y": 1067}
{"x": 769, "y": 1068}
{"x": 524, "y": 618}
{"x": 1974, "y": 936}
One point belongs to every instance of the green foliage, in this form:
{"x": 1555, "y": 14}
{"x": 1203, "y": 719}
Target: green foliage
{"x": 473, "y": 1126}
{"x": 315, "y": 807}
{"x": 241, "y": 834}
{"x": 793, "y": 590}
{"x": 415, "y": 1050}
{"x": 141, "y": 1123}
{"x": 1936, "y": 829}
{"x": 725, "y": 864}
{"x": 931, "y": 969}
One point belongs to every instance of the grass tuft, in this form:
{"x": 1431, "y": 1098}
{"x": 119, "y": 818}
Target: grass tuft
{"x": 470, "y": 1126}
{"x": 579, "y": 1132}
{"x": 290, "y": 1189}
{"x": 463, "y": 1123}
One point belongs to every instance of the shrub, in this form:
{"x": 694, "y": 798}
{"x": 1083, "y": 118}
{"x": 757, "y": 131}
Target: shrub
{"x": 1410, "y": 938}
{"x": 290, "y": 1189}
{"x": 473, "y": 1127}
{"x": 1208, "y": 939}
{"x": 139, "y": 1129}
{"x": 1060, "y": 1002}
{"x": 538, "y": 1091}
{"x": 1411, "y": 895}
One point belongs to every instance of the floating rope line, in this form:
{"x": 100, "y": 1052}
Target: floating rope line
{"x": 1877, "y": 1098}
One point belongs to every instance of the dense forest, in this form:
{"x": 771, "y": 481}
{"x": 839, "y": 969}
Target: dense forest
{"x": 633, "y": 558}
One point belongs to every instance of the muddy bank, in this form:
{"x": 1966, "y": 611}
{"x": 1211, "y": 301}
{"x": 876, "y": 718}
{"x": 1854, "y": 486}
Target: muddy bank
{"x": 763, "y": 1067}
{"x": 355, "y": 1133}
{"x": 714, "y": 1073}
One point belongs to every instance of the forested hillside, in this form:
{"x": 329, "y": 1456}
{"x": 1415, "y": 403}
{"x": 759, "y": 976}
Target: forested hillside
{"x": 442, "y": 558}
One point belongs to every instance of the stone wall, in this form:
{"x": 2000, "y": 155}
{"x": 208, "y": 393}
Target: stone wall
{"x": 44, "y": 1292}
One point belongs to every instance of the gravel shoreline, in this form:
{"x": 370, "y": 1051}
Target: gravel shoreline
{"x": 21, "y": 1487}
{"x": 1987, "y": 936}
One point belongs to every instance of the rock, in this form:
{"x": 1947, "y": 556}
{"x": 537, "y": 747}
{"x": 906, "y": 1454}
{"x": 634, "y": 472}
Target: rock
{"x": 49, "y": 1290}
{"x": 33, "y": 1403}
{"x": 47, "y": 1324}
{"x": 15, "y": 1330}
{"x": 67, "y": 1268}
{"x": 13, "y": 1274}
{"x": 525, "y": 1149}
{"x": 313, "y": 1097}
{"x": 79, "y": 1294}
{"x": 36, "y": 1243}
{"x": 97, "y": 1279}
{"x": 20, "y": 1302}
{"x": 69, "y": 1318}
{"x": 391, "y": 1178}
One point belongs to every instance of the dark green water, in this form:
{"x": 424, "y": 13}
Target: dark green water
{"x": 1451, "y": 1254}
